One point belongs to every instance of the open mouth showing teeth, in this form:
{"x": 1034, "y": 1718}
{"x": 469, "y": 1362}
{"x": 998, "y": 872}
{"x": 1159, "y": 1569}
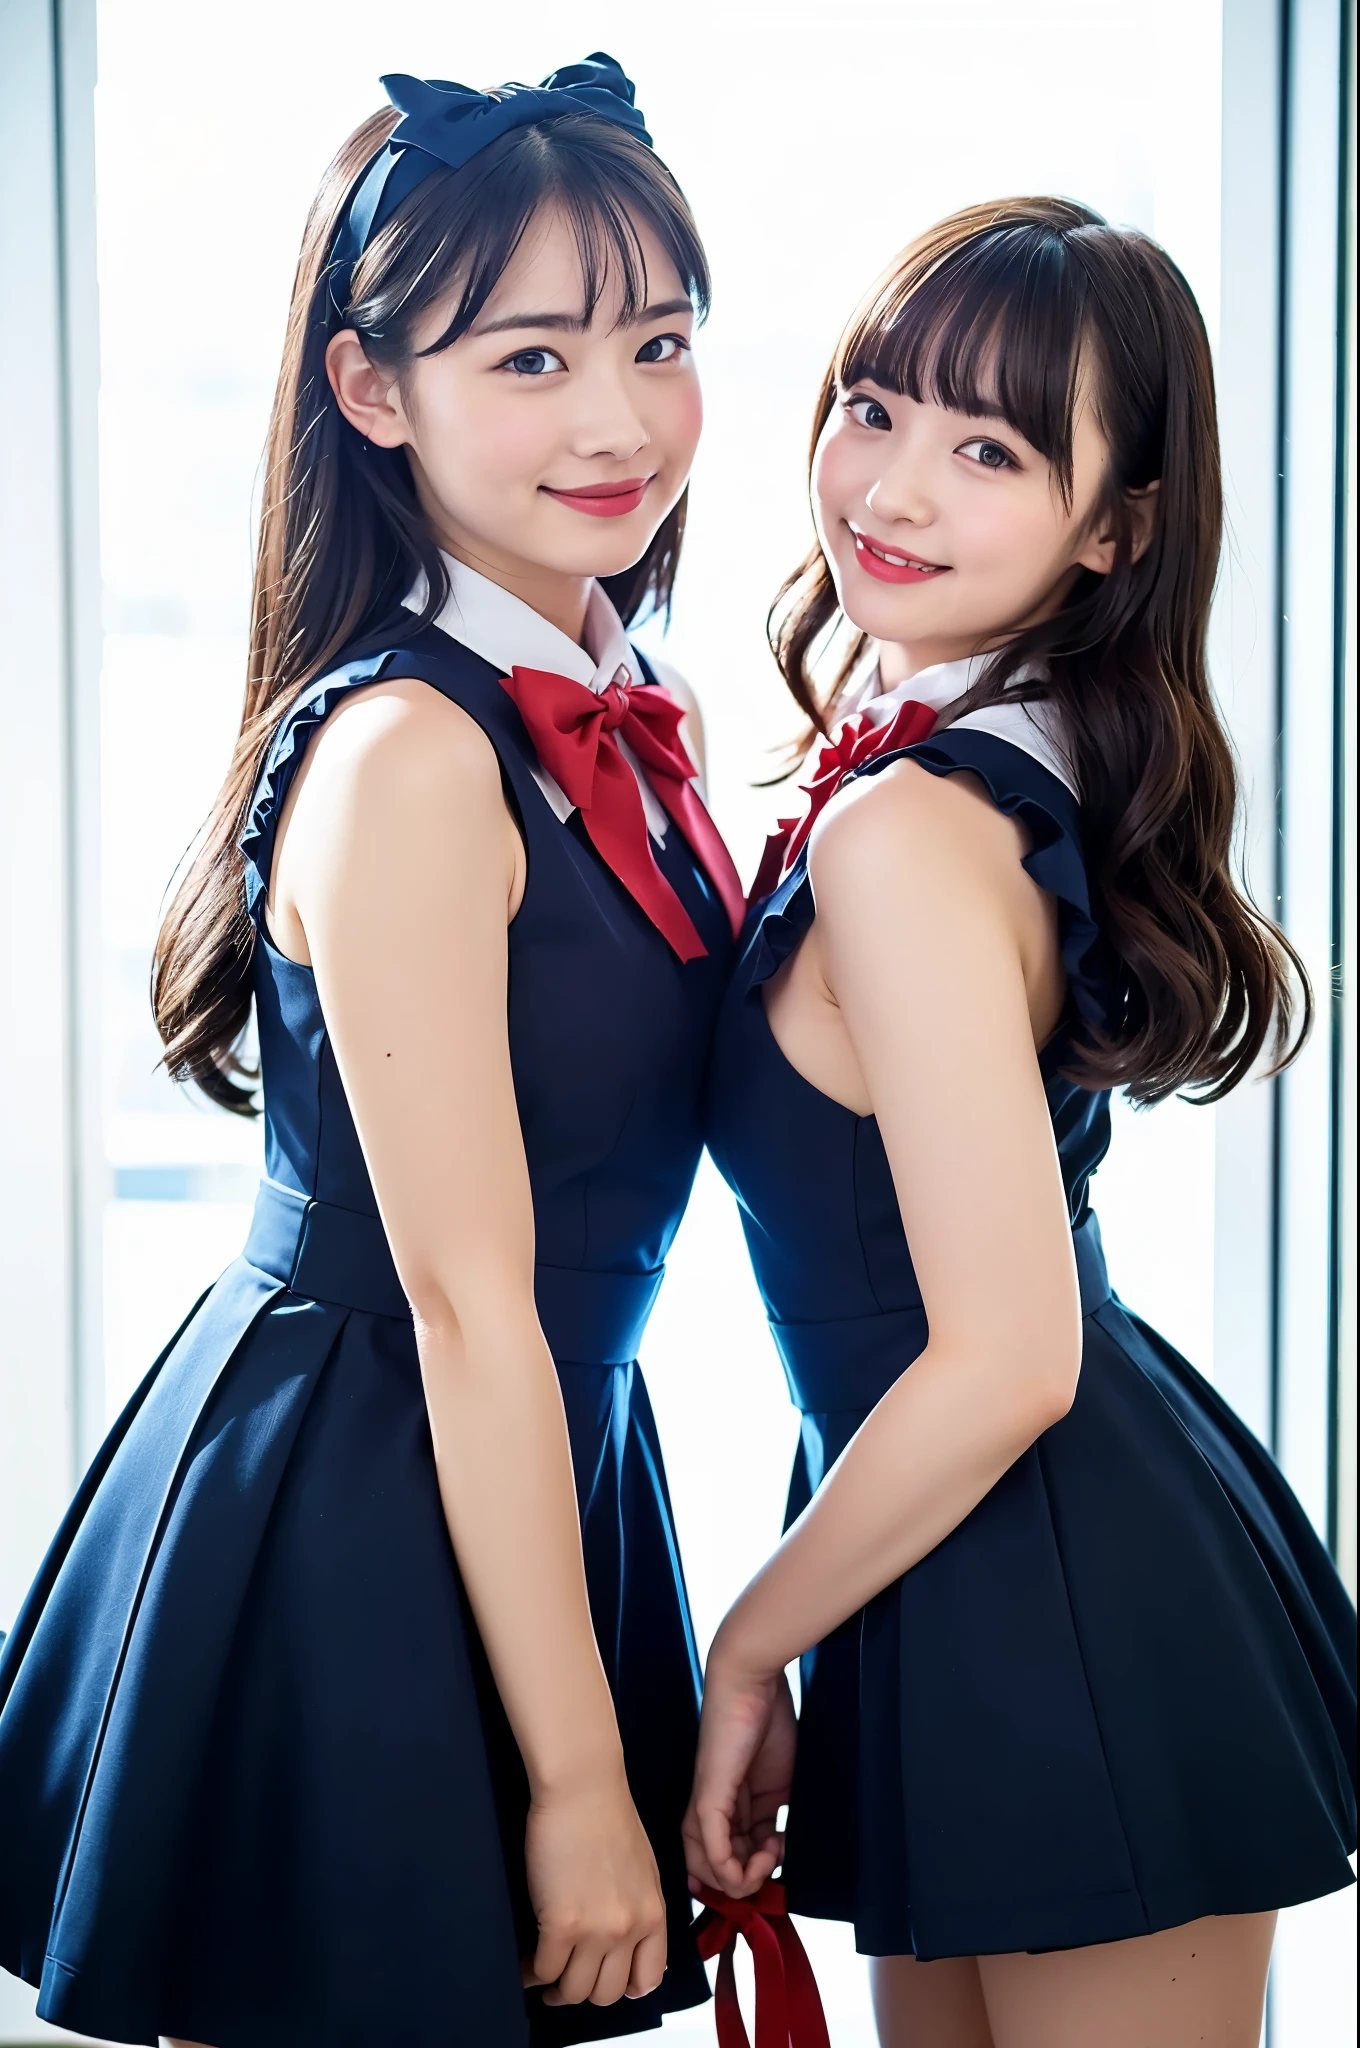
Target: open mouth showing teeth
{"x": 896, "y": 561}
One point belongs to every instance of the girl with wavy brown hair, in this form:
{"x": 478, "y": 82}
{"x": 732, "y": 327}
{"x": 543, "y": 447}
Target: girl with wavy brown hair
{"x": 1078, "y": 1700}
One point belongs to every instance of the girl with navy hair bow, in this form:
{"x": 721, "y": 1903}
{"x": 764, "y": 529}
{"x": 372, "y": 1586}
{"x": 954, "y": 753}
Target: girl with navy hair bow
{"x": 358, "y": 1691}
{"x": 1078, "y": 1678}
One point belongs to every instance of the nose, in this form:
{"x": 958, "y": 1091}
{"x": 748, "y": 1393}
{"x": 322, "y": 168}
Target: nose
{"x": 607, "y": 419}
{"x": 901, "y": 491}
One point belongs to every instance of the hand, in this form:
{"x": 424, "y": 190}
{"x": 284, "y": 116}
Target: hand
{"x": 596, "y": 1894}
{"x": 747, "y": 1738}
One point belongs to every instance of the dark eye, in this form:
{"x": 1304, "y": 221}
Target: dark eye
{"x": 870, "y": 413}
{"x": 534, "y": 362}
{"x": 988, "y": 454}
{"x": 662, "y": 348}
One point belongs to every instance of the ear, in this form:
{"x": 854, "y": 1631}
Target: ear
{"x": 1099, "y": 551}
{"x": 370, "y": 404}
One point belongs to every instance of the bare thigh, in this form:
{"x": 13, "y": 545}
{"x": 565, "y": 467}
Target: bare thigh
{"x": 171, "y": 2041}
{"x": 1198, "y": 1986}
{"x": 929, "y": 2005}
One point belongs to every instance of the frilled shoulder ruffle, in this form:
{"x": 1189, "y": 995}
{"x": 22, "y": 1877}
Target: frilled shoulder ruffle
{"x": 285, "y": 757}
{"x": 1019, "y": 786}
{"x": 1023, "y": 788}
{"x": 776, "y": 925}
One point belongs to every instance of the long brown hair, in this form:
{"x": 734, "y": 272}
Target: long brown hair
{"x": 342, "y": 538}
{"x": 1002, "y": 309}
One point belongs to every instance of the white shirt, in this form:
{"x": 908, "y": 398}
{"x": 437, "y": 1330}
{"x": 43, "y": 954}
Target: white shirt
{"x": 1033, "y": 727}
{"x": 508, "y": 633}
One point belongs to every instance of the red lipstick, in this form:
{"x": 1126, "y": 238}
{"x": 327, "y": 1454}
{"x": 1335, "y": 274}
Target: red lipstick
{"x": 892, "y": 565}
{"x": 603, "y": 501}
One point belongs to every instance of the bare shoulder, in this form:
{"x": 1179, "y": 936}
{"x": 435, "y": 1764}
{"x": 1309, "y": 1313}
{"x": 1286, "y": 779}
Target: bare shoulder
{"x": 399, "y": 781}
{"x": 909, "y": 826}
{"x": 404, "y": 741}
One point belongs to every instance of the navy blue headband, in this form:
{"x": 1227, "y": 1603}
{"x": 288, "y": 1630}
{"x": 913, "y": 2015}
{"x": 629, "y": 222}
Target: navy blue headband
{"x": 443, "y": 123}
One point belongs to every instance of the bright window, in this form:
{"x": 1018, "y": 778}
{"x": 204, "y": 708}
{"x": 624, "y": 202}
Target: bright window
{"x": 812, "y": 141}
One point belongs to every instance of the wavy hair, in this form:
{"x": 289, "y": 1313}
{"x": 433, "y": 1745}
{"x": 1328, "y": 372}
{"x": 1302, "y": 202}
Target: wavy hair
{"x": 342, "y": 539}
{"x": 1008, "y": 309}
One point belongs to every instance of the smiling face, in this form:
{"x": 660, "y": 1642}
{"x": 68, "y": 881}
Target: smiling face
{"x": 548, "y": 442}
{"x": 945, "y": 531}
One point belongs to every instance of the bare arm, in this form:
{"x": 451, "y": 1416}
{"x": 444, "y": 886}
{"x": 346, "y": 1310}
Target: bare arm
{"x": 399, "y": 864}
{"x": 915, "y": 882}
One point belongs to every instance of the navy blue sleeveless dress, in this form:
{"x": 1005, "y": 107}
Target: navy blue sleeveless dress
{"x": 1121, "y": 1693}
{"x": 256, "y": 1786}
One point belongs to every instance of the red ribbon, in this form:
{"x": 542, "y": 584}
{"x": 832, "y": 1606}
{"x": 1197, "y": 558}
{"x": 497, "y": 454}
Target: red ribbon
{"x": 788, "y": 2005}
{"x": 572, "y": 729}
{"x": 855, "y": 742}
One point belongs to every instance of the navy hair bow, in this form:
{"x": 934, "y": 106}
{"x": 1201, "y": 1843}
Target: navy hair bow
{"x": 443, "y": 123}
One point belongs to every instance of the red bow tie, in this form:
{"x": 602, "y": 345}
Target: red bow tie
{"x": 573, "y": 731}
{"x": 788, "y": 2006}
{"x": 856, "y": 742}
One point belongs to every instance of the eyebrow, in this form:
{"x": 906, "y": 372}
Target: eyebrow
{"x": 572, "y": 323}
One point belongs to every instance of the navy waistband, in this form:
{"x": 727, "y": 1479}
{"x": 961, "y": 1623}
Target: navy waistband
{"x": 852, "y": 1364}
{"x": 338, "y": 1255}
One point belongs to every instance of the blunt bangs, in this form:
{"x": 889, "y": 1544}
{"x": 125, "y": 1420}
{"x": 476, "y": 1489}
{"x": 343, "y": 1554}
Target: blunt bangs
{"x": 460, "y": 229}
{"x": 995, "y": 324}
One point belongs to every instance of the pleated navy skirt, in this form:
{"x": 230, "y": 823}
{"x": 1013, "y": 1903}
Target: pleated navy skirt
{"x": 256, "y": 1787}
{"x": 1121, "y": 1693}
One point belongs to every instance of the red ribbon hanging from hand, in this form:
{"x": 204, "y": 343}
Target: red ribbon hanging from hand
{"x": 572, "y": 728}
{"x": 788, "y": 2005}
{"x": 855, "y": 742}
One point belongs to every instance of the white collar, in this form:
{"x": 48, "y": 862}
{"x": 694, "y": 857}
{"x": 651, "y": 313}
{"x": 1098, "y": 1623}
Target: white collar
{"x": 508, "y": 633}
{"x": 936, "y": 686}
{"x": 1032, "y": 727}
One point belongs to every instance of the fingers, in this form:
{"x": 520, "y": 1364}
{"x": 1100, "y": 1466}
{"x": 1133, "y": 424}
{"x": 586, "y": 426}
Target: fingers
{"x": 744, "y": 1761}
{"x": 710, "y": 1814}
{"x": 700, "y": 1870}
{"x": 745, "y": 1868}
{"x": 715, "y": 1831}
{"x": 611, "y": 1979}
{"x": 739, "y": 1875}
{"x": 577, "y": 1980}
{"x": 551, "y": 1956}
{"x": 764, "y": 1863}
{"x": 599, "y": 1972}
{"x": 649, "y": 1965}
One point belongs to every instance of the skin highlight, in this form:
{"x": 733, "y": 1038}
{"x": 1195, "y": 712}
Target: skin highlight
{"x": 967, "y": 494}
{"x": 397, "y": 871}
{"x": 930, "y": 976}
{"x": 532, "y": 402}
